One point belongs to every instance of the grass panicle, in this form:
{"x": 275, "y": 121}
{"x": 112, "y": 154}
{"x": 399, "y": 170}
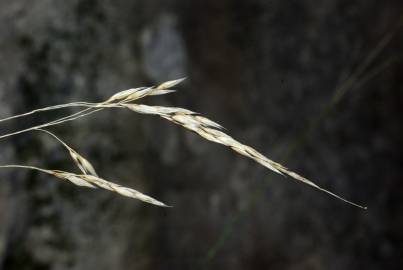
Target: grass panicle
{"x": 190, "y": 120}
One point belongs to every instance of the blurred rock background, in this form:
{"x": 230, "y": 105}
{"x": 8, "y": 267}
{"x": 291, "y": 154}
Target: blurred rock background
{"x": 314, "y": 84}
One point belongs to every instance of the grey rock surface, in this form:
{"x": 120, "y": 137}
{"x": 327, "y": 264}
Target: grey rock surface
{"x": 272, "y": 72}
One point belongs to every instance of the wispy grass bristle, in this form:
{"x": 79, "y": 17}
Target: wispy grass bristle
{"x": 170, "y": 84}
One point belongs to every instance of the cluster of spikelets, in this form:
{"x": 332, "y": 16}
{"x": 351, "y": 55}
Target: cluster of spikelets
{"x": 203, "y": 126}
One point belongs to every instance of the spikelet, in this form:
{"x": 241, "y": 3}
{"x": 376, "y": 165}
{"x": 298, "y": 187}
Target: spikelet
{"x": 211, "y": 131}
{"x": 82, "y": 163}
{"x": 137, "y": 93}
{"x": 170, "y": 84}
{"x": 92, "y": 181}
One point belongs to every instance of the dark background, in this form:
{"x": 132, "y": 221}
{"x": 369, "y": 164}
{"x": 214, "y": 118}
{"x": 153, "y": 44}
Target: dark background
{"x": 316, "y": 85}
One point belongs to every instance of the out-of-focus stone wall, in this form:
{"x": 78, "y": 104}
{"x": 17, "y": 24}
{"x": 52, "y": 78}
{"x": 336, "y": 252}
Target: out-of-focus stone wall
{"x": 267, "y": 71}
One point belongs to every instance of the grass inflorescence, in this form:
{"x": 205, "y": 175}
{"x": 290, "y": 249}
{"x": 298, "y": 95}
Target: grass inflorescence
{"x": 190, "y": 120}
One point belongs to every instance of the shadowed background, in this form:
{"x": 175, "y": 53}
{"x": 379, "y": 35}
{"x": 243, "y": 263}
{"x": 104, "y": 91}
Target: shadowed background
{"x": 316, "y": 85}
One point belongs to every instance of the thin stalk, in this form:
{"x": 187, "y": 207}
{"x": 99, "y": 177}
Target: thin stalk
{"x": 71, "y": 117}
{"x": 54, "y": 107}
{"x": 53, "y": 123}
{"x": 54, "y": 136}
{"x": 25, "y": 167}
{"x": 68, "y": 118}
